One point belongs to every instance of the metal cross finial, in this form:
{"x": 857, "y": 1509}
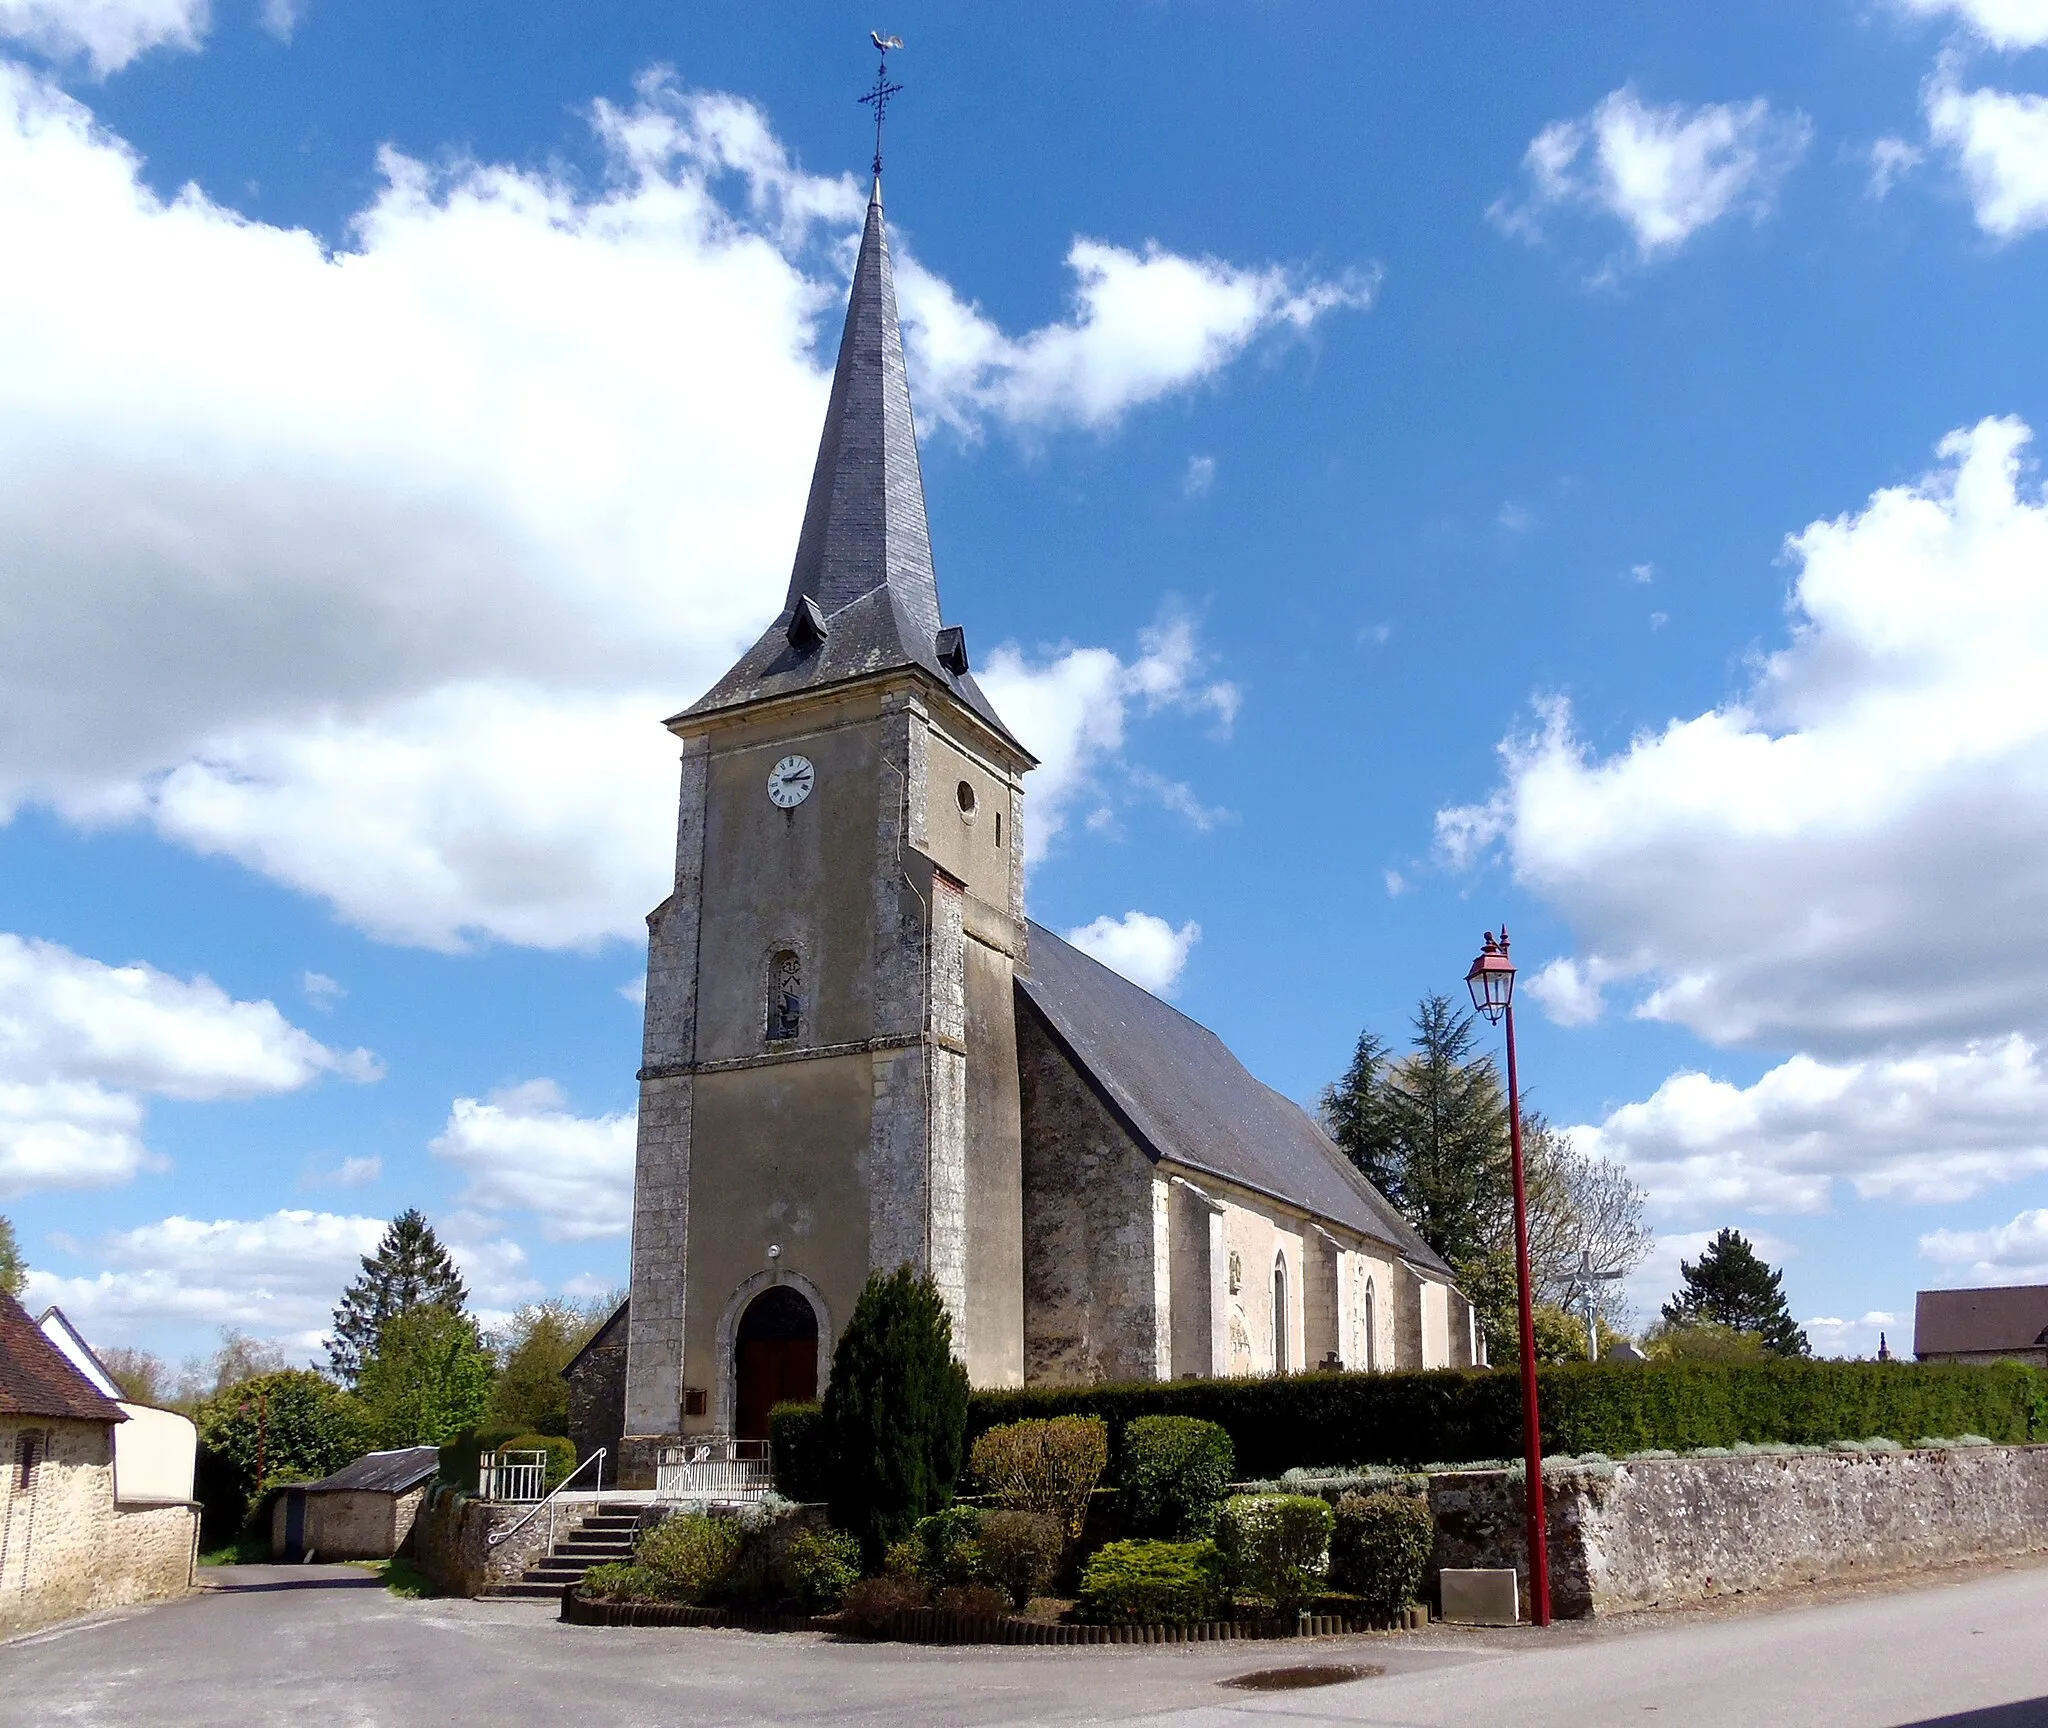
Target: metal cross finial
{"x": 878, "y": 97}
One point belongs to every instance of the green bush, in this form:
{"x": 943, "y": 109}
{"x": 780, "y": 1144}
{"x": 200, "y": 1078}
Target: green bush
{"x": 689, "y": 1555}
{"x": 1020, "y": 1552}
{"x": 872, "y": 1603}
{"x": 1047, "y": 1466}
{"x": 301, "y": 1424}
{"x": 1276, "y": 1546}
{"x": 561, "y": 1457}
{"x": 1172, "y": 1474}
{"x": 1152, "y": 1581}
{"x": 796, "y": 1447}
{"x": 895, "y": 1413}
{"x": 462, "y": 1457}
{"x": 1278, "y": 1422}
{"x": 822, "y": 1565}
{"x": 948, "y": 1549}
{"x": 1380, "y": 1549}
{"x": 620, "y": 1581}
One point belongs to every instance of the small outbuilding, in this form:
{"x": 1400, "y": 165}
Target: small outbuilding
{"x": 364, "y": 1511}
{"x": 2003, "y": 1323}
{"x": 78, "y": 1532}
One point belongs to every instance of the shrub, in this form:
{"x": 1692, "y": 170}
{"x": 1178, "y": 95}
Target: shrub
{"x": 972, "y": 1599}
{"x": 822, "y": 1566}
{"x": 619, "y": 1581}
{"x": 895, "y": 1413}
{"x": 948, "y": 1551}
{"x": 1408, "y": 1418}
{"x": 1152, "y": 1581}
{"x": 1380, "y": 1549}
{"x": 1173, "y": 1472}
{"x": 872, "y": 1603}
{"x": 796, "y": 1436}
{"x": 690, "y": 1555}
{"x": 301, "y": 1424}
{"x": 1020, "y": 1551}
{"x": 561, "y": 1456}
{"x": 1047, "y": 1466}
{"x": 1276, "y": 1545}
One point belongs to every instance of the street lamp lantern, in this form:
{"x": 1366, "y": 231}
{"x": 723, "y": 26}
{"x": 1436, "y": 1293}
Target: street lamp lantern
{"x": 1492, "y": 978}
{"x": 1492, "y": 983}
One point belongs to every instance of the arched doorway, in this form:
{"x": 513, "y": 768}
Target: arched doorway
{"x": 775, "y": 1357}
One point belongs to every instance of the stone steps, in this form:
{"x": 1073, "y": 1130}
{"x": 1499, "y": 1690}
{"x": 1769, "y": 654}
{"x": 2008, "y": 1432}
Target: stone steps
{"x": 597, "y": 1540}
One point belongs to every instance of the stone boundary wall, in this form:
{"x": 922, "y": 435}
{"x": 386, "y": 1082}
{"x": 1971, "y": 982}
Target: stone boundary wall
{"x": 451, "y": 1541}
{"x": 1675, "y": 1530}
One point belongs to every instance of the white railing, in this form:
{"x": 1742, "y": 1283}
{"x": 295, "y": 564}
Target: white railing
{"x": 548, "y": 1505}
{"x": 715, "y": 1468}
{"x": 513, "y": 1476}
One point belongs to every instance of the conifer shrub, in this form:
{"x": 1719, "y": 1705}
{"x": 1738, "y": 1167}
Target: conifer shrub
{"x": 1172, "y": 1475}
{"x": 1151, "y": 1582}
{"x": 1049, "y": 1466}
{"x": 1276, "y": 1546}
{"x": 1380, "y": 1546}
{"x": 822, "y": 1566}
{"x": 1020, "y": 1552}
{"x": 689, "y": 1556}
{"x": 796, "y": 1452}
{"x": 895, "y": 1414}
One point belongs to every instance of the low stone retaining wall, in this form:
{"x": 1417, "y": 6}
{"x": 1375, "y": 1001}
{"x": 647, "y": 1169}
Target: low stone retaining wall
{"x": 451, "y": 1543}
{"x": 1674, "y": 1530}
{"x": 936, "y": 1626}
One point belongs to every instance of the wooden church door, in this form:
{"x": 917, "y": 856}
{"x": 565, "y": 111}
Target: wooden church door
{"x": 775, "y": 1358}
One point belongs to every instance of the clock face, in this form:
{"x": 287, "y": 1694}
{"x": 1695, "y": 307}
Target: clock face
{"x": 790, "y": 781}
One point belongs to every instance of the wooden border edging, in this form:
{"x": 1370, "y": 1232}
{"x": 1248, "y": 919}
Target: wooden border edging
{"x": 936, "y": 1626}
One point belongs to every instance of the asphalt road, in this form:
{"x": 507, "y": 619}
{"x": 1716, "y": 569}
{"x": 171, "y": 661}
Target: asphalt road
{"x": 319, "y": 1645}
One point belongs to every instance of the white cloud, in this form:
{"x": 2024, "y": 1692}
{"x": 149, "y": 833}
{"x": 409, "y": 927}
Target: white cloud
{"x": 1147, "y": 950}
{"x": 1852, "y": 856}
{"x": 279, "y": 1276}
{"x": 523, "y": 1150}
{"x": 1397, "y": 884}
{"x": 79, "y": 1039}
{"x": 2005, "y": 24}
{"x": 2000, "y": 143}
{"x": 321, "y": 991}
{"x": 635, "y": 991}
{"x": 1071, "y": 709}
{"x": 1891, "y": 160}
{"x": 1663, "y": 172}
{"x": 349, "y": 1173}
{"x": 106, "y": 34}
{"x": 1201, "y": 475}
{"x": 374, "y": 567}
{"x": 1831, "y": 1336}
{"x": 1143, "y": 325}
{"x": 281, "y": 17}
{"x": 1940, "y": 1126}
{"x": 2012, "y": 1253}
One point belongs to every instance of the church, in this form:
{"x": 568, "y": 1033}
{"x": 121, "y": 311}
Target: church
{"x": 860, "y": 1052}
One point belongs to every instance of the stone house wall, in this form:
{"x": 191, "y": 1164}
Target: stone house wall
{"x": 451, "y": 1540}
{"x": 66, "y": 1547}
{"x": 1666, "y": 1531}
{"x": 352, "y": 1526}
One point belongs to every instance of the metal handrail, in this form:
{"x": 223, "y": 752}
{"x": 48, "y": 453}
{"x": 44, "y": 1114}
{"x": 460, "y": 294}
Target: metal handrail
{"x": 597, "y": 1457}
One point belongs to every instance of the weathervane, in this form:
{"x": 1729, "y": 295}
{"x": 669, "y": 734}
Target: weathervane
{"x": 878, "y": 97}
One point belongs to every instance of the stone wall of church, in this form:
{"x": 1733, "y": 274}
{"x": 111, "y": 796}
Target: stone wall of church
{"x": 1091, "y": 1231}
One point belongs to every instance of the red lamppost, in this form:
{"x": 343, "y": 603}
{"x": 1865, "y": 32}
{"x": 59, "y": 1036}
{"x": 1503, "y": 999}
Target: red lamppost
{"x": 1492, "y": 983}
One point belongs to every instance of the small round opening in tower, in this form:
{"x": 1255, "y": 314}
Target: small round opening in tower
{"x": 965, "y": 793}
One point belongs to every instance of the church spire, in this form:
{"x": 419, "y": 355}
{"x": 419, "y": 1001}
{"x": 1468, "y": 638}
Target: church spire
{"x": 864, "y": 527}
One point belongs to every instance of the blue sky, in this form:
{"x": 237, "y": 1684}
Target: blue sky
{"x": 1401, "y": 469}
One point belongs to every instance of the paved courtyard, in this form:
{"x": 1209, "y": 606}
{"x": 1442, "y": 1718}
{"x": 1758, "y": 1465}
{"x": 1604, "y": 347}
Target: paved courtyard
{"x": 328, "y": 1645}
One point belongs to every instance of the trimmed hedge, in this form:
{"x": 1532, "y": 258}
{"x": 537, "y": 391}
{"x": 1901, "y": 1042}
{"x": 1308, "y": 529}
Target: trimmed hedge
{"x": 1454, "y": 1415}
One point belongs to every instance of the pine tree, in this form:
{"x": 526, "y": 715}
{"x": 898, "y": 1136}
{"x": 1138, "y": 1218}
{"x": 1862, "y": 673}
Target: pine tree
{"x": 13, "y": 1269}
{"x": 1731, "y": 1285}
{"x": 895, "y": 1416}
{"x": 409, "y": 1270}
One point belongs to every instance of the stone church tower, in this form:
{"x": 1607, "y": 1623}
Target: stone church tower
{"x": 830, "y": 1074}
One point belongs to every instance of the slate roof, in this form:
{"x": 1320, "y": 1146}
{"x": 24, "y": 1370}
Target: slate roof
{"x": 2005, "y": 1317}
{"x": 37, "y": 1379}
{"x": 380, "y": 1472}
{"x": 864, "y": 558}
{"x": 1183, "y": 1096}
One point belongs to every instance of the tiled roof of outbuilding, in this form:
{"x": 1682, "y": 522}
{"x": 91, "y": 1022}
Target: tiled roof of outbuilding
{"x": 1960, "y": 1322}
{"x": 381, "y": 1472}
{"x": 37, "y": 1379}
{"x": 1183, "y": 1096}
{"x": 863, "y": 566}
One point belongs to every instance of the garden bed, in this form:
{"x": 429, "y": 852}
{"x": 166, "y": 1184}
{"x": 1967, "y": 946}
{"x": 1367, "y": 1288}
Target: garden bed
{"x": 939, "y": 1626}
